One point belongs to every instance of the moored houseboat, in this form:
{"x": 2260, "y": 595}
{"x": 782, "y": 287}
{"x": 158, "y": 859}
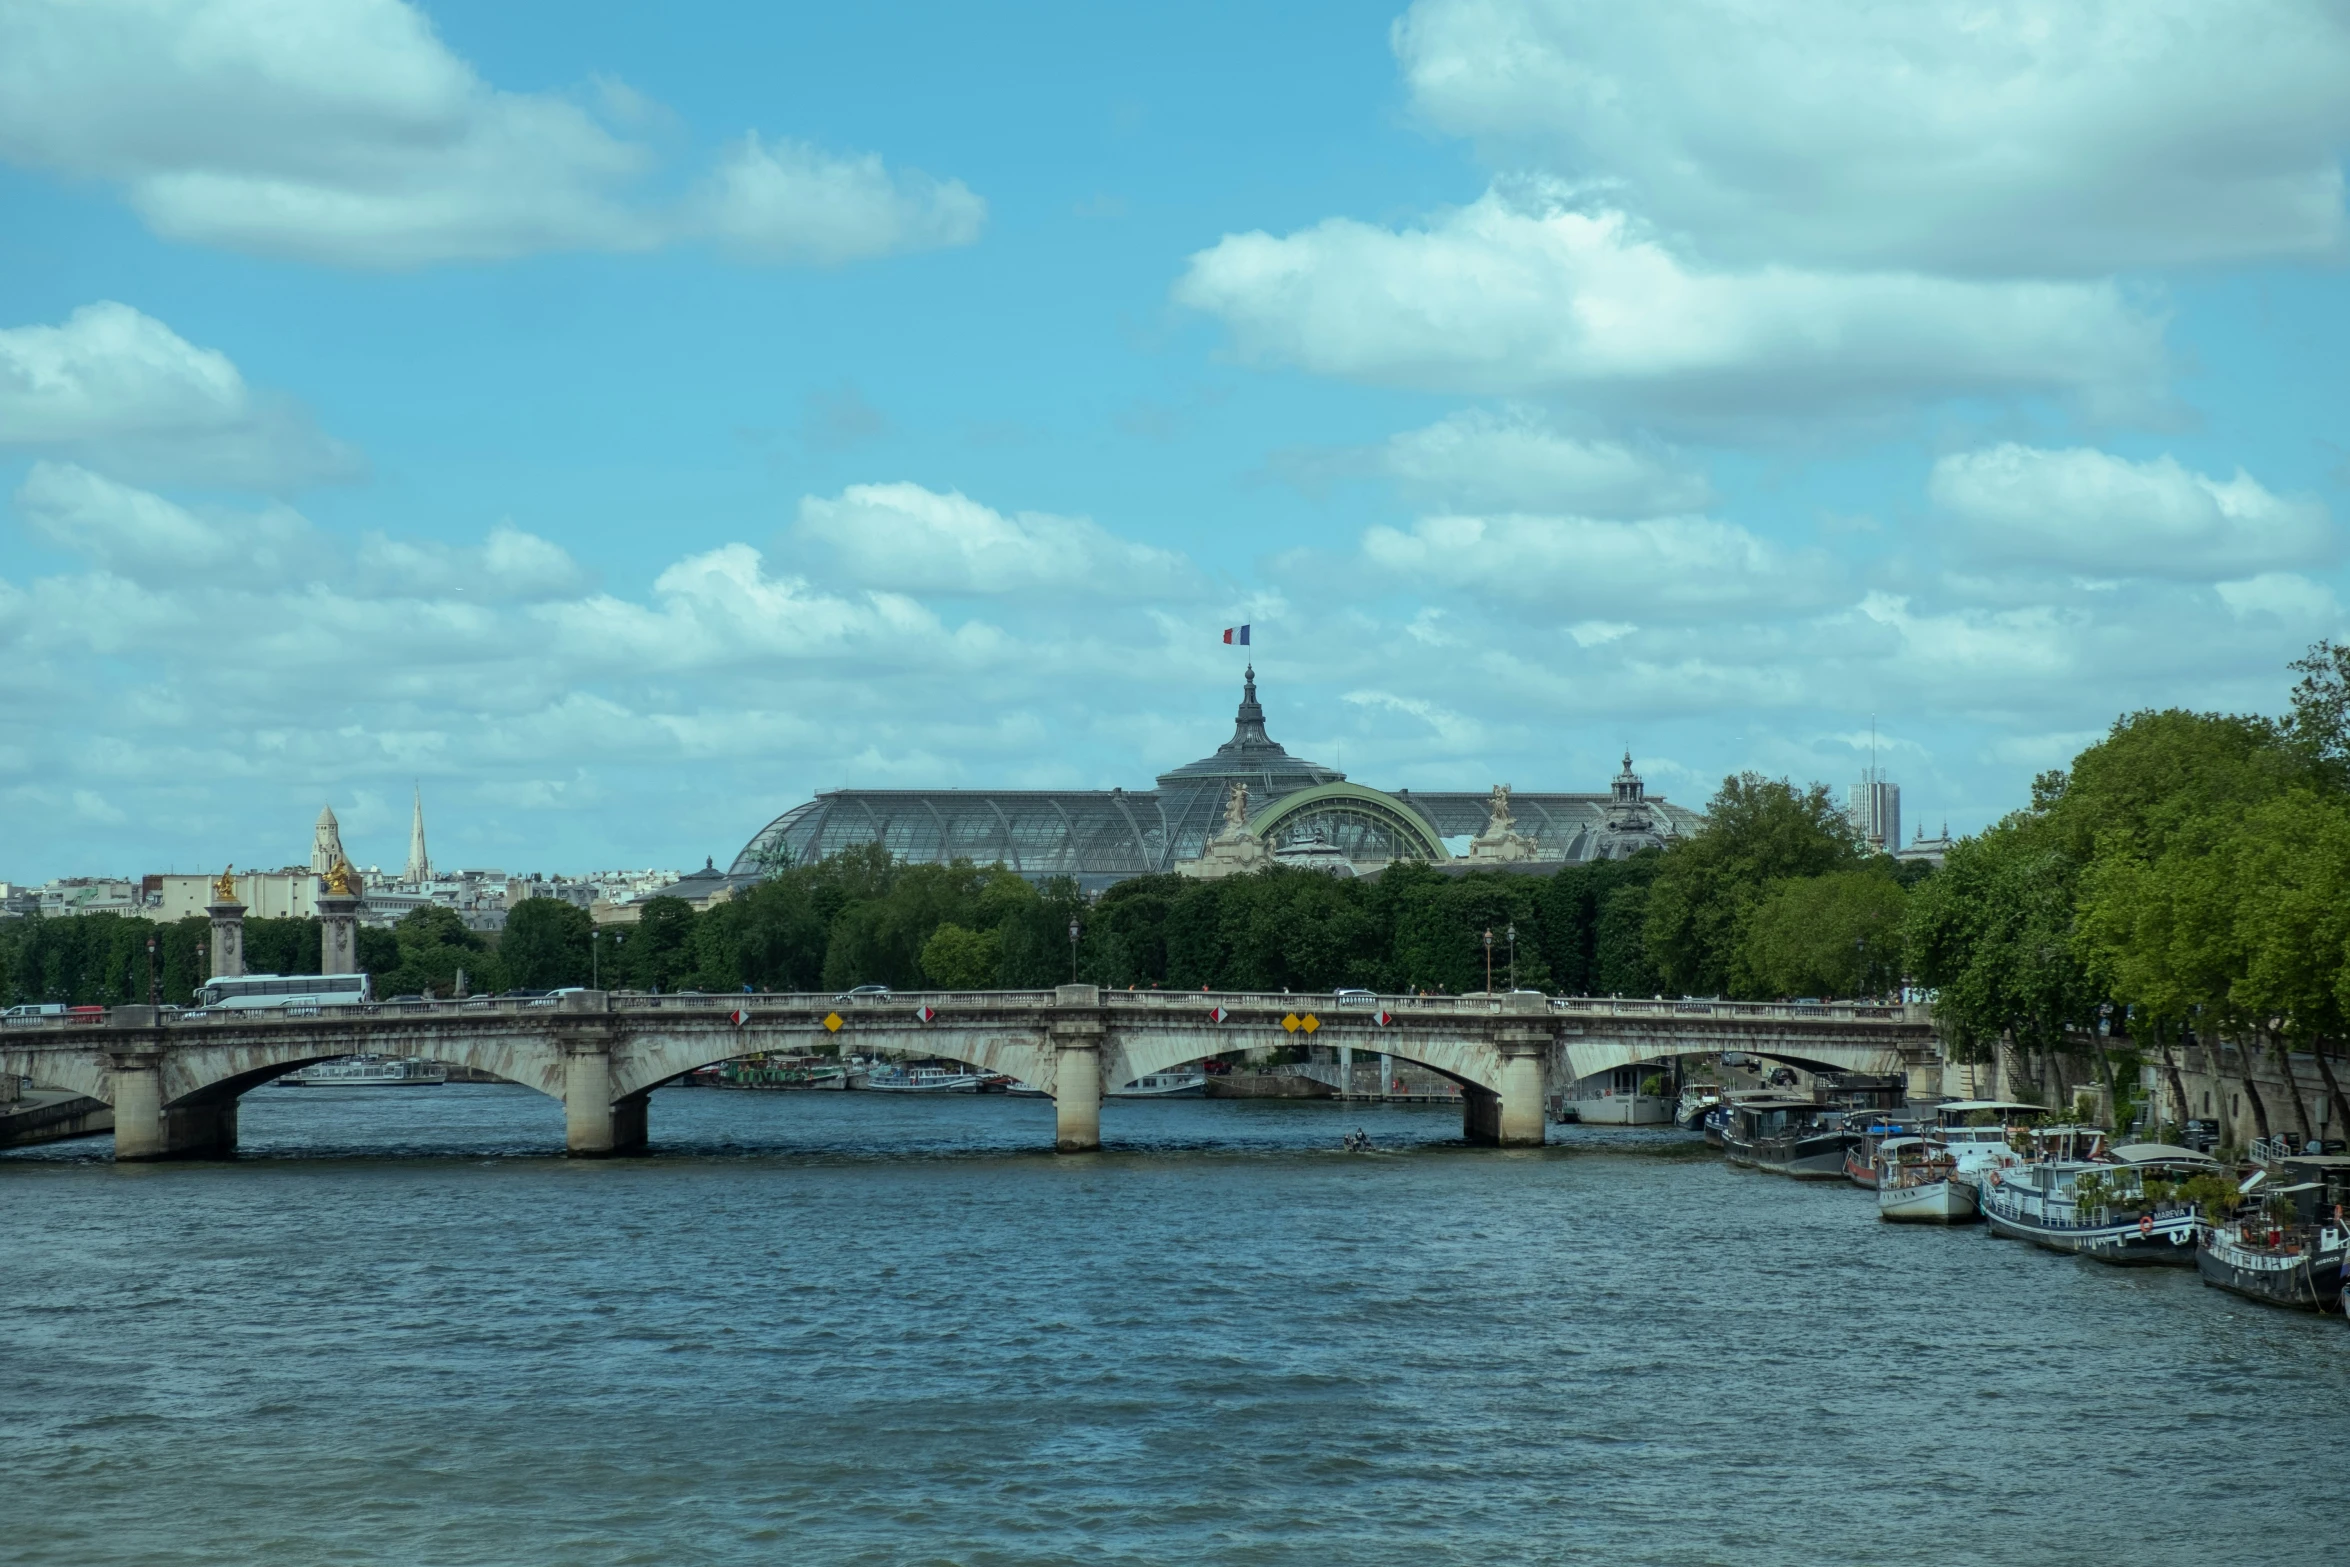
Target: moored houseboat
{"x": 1791, "y": 1137}
{"x": 1917, "y": 1183}
{"x": 2287, "y": 1245}
{"x": 924, "y": 1080}
{"x": 2109, "y": 1207}
{"x": 1637, "y": 1095}
{"x": 1870, "y": 1130}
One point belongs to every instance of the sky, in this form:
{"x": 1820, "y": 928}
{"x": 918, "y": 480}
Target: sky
{"x": 621, "y": 422}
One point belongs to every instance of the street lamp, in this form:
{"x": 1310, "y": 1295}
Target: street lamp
{"x": 1075, "y": 930}
{"x": 1489, "y": 960}
{"x": 1513, "y": 935}
{"x": 154, "y": 992}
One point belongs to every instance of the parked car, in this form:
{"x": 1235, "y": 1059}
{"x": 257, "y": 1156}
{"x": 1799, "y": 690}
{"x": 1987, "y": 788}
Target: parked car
{"x": 1356, "y": 998}
{"x": 863, "y": 993}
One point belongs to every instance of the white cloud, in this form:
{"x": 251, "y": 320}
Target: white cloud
{"x": 509, "y": 564}
{"x": 346, "y": 132}
{"x": 2309, "y": 607}
{"x": 122, "y": 391}
{"x": 1519, "y": 293}
{"x": 905, "y": 537}
{"x": 2089, "y": 511}
{"x": 1658, "y": 566}
{"x": 2018, "y": 136}
{"x": 146, "y": 538}
{"x": 788, "y": 201}
{"x": 1514, "y": 459}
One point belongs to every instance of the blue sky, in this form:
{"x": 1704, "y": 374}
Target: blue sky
{"x": 625, "y": 422}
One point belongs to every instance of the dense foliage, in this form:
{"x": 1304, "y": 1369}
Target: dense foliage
{"x": 2187, "y": 877}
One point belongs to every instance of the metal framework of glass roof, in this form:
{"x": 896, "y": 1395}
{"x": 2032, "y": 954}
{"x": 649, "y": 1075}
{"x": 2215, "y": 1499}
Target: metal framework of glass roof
{"x": 1098, "y": 836}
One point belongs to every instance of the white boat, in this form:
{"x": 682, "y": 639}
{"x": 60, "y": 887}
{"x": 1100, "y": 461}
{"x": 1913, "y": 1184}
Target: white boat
{"x": 368, "y": 1072}
{"x": 1613, "y": 1098}
{"x": 1917, "y": 1183}
{"x": 923, "y": 1080}
{"x": 1188, "y": 1083}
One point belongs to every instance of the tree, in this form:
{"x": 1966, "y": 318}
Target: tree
{"x": 1836, "y": 935}
{"x": 434, "y": 947}
{"x": 1758, "y": 831}
{"x": 545, "y": 944}
{"x": 958, "y": 959}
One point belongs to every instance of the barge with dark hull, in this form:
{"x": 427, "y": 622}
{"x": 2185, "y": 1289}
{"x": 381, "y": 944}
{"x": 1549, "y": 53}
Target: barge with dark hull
{"x": 1790, "y": 1137}
{"x": 2295, "y": 1260}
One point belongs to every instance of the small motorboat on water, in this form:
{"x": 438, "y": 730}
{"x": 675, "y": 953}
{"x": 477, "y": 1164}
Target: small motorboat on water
{"x": 1696, "y": 1099}
{"x": 1917, "y": 1183}
{"x": 2287, "y": 1245}
{"x": 2112, "y": 1205}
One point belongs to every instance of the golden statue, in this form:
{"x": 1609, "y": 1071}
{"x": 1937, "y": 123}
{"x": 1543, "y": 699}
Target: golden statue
{"x": 342, "y": 881}
{"x": 224, "y": 890}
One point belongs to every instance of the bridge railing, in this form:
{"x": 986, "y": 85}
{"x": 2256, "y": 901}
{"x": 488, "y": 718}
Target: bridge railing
{"x": 1254, "y": 1003}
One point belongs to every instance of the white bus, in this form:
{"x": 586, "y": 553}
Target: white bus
{"x": 253, "y": 992}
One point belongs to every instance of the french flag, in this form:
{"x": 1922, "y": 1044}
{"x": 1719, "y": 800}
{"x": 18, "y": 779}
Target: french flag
{"x": 1236, "y": 636}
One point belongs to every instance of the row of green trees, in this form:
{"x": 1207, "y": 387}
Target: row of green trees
{"x": 1775, "y": 898}
{"x": 2187, "y": 876}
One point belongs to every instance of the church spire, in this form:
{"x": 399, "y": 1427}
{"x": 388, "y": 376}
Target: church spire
{"x": 419, "y": 870}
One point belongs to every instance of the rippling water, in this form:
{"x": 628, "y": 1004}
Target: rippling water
{"x": 862, "y": 1328}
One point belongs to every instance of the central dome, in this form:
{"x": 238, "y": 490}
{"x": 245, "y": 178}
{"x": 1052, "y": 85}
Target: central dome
{"x": 1251, "y": 757}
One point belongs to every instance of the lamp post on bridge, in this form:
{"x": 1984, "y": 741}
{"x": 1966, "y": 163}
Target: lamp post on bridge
{"x": 1075, "y": 930}
{"x": 1513, "y": 935}
{"x": 154, "y": 987}
{"x": 1489, "y": 960}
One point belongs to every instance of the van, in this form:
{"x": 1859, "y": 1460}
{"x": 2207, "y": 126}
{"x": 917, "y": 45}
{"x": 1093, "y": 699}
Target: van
{"x": 36, "y": 1009}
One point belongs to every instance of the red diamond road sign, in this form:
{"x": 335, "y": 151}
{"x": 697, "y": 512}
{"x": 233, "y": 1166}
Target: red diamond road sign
{"x": 925, "y": 1013}
{"x": 1382, "y": 1018}
{"x": 1217, "y": 1014}
{"x": 739, "y": 1017}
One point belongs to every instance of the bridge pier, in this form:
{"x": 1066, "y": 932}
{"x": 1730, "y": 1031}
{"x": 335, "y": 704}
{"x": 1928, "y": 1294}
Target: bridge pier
{"x": 145, "y": 1128}
{"x": 1077, "y": 1071}
{"x": 1513, "y": 1116}
{"x": 594, "y": 1125}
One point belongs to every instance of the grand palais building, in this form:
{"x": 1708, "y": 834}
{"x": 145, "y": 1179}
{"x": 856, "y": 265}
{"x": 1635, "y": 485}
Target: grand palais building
{"x": 1293, "y": 811}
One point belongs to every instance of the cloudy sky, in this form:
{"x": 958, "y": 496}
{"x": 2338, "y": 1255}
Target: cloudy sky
{"x": 626, "y": 421}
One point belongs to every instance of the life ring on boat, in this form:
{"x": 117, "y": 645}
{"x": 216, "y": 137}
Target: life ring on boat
{"x": 2145, "y": 1224}
{"x": 1995, "y": 1177}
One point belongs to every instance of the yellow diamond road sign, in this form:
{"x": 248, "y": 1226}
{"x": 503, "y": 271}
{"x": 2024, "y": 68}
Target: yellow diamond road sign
{"x": 1309, "y": 1022}
{"x": 1291, "y": 1023}
{"x": 832, "y": 1021}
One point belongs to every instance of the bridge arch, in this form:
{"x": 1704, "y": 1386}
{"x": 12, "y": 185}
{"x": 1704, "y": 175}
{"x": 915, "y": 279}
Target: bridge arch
{"x": 1472, "y": 1063}
{"x": 660, "y": 1057}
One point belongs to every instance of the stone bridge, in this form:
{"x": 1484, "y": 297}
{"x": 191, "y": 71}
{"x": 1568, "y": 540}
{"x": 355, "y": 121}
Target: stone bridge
{"x": 173, "y": 1078}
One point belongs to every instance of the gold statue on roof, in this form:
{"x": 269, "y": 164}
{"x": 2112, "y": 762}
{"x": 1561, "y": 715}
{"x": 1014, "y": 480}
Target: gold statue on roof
{"x": 342, "y": 881}
{"x": 224, "y": 887}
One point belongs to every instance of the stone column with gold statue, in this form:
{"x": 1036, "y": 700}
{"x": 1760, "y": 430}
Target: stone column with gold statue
{"x": 338, "y": 921}
{"x": 228, "y": 926}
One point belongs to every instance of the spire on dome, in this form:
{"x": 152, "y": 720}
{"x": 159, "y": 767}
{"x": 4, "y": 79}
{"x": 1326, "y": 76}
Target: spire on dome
{"x": 1249, "y": 723}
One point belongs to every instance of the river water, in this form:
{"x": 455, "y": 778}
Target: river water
{"x": 817, "y": 1328}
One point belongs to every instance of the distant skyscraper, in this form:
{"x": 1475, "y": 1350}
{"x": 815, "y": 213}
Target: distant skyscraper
{"x": 419, "y": 869}
{"x": 1875, "y": 811}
